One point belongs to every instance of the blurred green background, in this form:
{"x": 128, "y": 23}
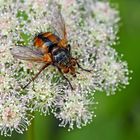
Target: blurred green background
{"x": 118, "y": 116}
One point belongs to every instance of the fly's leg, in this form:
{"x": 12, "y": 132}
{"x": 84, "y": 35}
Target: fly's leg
{"x": 79, "y": 66}
{"x": 65, "y": 78}
{"x": 43, "y": 68}
{"x": 69, "y": 48}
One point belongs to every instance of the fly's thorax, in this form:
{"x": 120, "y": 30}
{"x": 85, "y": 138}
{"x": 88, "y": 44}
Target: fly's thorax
{"x": 61, "y": 56}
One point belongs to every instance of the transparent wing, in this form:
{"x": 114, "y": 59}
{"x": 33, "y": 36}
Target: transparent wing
{"x": 57, "y": 20}
{"x": 26, "y": 53}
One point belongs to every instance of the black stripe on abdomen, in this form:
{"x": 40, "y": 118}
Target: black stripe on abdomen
{"x": 48, "y": 43}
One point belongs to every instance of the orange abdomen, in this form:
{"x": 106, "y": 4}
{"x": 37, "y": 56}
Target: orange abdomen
{"x": 46, "y": 41}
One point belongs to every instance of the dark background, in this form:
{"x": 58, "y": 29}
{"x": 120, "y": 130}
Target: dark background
{"x": 118, "y": 116}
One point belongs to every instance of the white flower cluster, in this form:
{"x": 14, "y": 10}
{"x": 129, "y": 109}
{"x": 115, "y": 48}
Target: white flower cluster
{"x": 74, "y": 108}
{"x": 92, "y": 28}
{"x": 13, "y": 113}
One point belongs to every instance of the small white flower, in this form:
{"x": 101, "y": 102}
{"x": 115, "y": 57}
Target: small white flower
{"x": 110, "y": 72}
{"x": 104, "y": 13}
{"x": 13, "y": 114}
{"x": 7, "y": 18}
{"x": 74, "y": 108}
{"x": 43, "y": 94}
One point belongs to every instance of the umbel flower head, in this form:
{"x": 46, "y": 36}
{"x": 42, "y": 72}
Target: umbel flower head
{"x": 74, "y": 108}
{"x": 91, "y": 28}
{"x": 13, "y": 113}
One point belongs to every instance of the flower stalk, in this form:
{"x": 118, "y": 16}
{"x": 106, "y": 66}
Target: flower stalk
{"x": 31, "y": 131}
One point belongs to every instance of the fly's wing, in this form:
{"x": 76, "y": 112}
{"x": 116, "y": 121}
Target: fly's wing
{"x": 26, "y": 53}
{"x": 57, "y": 20}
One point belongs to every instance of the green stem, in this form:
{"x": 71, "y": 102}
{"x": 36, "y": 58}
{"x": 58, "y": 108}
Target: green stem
{"x": 30, "y": 133}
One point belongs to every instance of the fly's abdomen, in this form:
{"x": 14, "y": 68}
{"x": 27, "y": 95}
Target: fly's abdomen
{"x": 46, "y": 41}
